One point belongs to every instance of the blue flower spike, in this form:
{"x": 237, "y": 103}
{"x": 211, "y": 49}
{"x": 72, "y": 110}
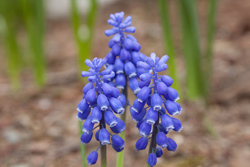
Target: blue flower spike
{"x": 157, "y": 120}
{"x": 125, "y": 51}
{"x": 100, "y": 102}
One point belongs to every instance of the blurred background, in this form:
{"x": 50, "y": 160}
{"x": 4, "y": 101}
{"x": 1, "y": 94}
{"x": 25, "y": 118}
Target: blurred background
{"x": 44, "y": 43}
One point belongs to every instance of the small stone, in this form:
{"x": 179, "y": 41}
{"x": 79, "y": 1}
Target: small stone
{"x": 44, "y": 104}
{"x": 11, "y": 135}
{"x": 54, "y": 131}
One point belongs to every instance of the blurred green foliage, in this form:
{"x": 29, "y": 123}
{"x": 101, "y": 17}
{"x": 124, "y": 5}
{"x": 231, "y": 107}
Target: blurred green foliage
{"x": 9, "y": 15}
{"x": 191, "y": 47}
{"x": 83, "y": 31}
{"x": 209, "y": 45}
{"x": 14, "y": 15}
{"x": 198, "y": 62}
{"x": 34, "y": 18}
{"x": 169, "y": 43}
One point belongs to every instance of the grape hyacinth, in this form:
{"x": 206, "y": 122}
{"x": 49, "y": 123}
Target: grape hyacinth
{"x": 153, "y": 110}
{"x": 125, "y": 52}
{"x": 155, "y": 121}
{"x": 100, "y": 104}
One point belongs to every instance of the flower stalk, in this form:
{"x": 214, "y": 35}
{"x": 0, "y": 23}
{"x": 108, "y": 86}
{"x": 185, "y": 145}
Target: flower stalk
{"x": 152, "y": 146}
{"x": 153, "y": 138}
{"x": 82, "y": 147}
{"x": 120, "y": 155}
{"x": 103, "y": 147}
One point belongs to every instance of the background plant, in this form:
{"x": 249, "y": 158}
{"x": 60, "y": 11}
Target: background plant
{"x": 29, "y": 14}
{"x": 83, "y": 31}
{"x": 198, "y": 61}
{"x": 197, "y": 76}
{"x": 8, "y": 21}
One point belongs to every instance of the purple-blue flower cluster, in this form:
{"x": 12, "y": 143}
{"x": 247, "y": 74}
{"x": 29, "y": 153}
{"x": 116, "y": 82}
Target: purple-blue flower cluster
{"x": 100, "y": 104}
{"x": 125, "y": 52}
{"x": 155, "y": 120}
{"x": 153, "y": 110}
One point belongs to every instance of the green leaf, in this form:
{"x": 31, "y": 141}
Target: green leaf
{"x": 191, "y": 48}
{"x": 209, "y": 45}
{"x": 83, "y": 32}
{"x": 8, "y": 32}
{"x": 169, "y": 44}
{"x": 33, "y": 14}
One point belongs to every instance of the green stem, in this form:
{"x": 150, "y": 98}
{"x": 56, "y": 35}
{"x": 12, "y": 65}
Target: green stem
{"x": 103, "y": 147}
{"x": 169, "y": 44}
{"x": 152, "y": 147}
{"x": 153, "y": 139}
{"x": 103, "y": 156}
{"x": 120, "y": 155}
{"x": 82, "y": 146}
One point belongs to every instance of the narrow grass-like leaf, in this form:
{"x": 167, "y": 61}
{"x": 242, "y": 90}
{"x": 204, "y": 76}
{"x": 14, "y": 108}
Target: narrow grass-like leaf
{"x": 169, "y": 44}
{"x": 83, "y": 32}
{"x": 33, "y": 12}
{"x": 9, "y": 38}
{"x": 12, "y": 54}
{"x": 209, "y": 45}
{"x": 191, "y": 48}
